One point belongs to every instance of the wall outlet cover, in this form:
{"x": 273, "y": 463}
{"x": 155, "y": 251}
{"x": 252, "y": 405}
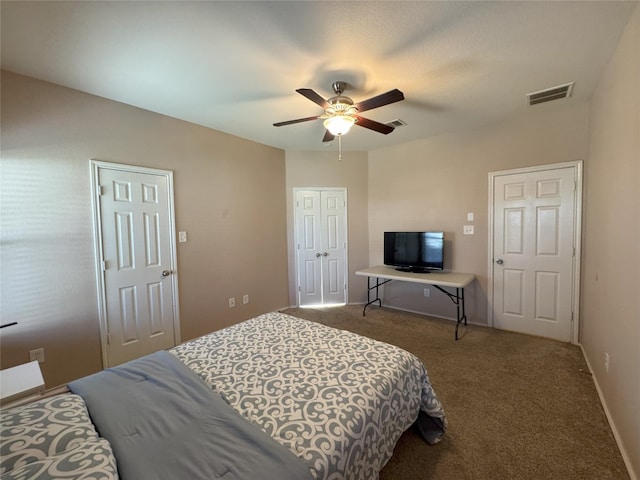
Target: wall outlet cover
{"x": 37, "y": 355}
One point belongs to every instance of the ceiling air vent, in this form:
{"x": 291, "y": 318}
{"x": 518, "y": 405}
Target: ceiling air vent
{"x": 397, "y": 123}
{"x": 553, "y": 93}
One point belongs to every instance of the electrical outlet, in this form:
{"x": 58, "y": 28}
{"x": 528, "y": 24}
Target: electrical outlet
{"x": 37, "y": 355}
{"x": 182, "y": 237}
{"x": 232, "y": 302}
{"x": 606, "y": 361}
{"x": 427, "y": 292}
{"x": 245, "y": 299}
{"x": 467, "y": 230}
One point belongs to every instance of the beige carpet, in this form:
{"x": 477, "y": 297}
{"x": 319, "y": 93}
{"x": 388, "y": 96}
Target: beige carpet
{"x": 518, "y": 407}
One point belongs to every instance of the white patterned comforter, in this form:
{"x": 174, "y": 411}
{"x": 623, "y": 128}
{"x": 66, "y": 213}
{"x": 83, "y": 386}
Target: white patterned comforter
{"x": 338, "y": 400}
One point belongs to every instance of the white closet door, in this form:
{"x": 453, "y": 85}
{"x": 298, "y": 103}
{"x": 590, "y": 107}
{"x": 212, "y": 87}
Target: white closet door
{"x": 333, "y": 247}
{"x": 309, "y": 248}
{"x": 321, "y": 244}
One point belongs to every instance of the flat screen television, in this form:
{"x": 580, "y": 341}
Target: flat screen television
{"x": 420, "y": 252}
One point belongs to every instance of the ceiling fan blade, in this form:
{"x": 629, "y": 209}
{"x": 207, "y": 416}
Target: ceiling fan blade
{"x": 298, "y": 120}
{"x": 373, "y": 125}
{"x": 328, "y": 136}
{"x": 313, "y": 96}
{"x": 381, "y": 100}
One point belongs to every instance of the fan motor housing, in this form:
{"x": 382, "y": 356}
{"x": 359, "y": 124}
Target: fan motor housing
{"x": 340, "y": 104}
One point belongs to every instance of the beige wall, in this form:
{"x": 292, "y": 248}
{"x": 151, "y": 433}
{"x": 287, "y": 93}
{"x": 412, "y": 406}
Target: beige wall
{"x": 323, "y": 169}
{"x": 433, "y": 184}
{"x": 229, "y": 197}
{"x": 611, "y": 255}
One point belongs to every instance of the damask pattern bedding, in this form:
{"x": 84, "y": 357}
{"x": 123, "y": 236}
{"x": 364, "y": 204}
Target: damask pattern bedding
{"x": 338, "y": 400}
{"x": 53, "y": 439}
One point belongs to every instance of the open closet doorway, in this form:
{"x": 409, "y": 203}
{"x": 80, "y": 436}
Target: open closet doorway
{"x": 320, "y": 216}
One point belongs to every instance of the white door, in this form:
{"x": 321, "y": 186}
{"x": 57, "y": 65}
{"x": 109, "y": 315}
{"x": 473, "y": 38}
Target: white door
{"x": 534, "y": 251}
{"x": 321, "y": 244}
{"x": 136, "y": 254}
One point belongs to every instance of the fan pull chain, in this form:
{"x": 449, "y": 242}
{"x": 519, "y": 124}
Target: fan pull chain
{"x": 339, "y": 148}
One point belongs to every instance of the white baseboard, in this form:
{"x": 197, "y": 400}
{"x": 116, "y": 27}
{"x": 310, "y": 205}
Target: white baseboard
{"x": 616, "y": 435}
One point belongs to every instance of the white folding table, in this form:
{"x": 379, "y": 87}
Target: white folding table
{"x": 440, "y": 280}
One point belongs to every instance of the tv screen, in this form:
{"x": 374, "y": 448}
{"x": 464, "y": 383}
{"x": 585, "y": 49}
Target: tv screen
{"x": 414, "y": 251}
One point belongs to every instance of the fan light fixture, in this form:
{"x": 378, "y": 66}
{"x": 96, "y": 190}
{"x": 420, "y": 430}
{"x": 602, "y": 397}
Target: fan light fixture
{"x": 339, "y": 124}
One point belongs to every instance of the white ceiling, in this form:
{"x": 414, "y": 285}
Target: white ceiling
{"x": 235, "y": 66}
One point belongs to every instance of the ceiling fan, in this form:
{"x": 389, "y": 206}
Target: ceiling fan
{"x": 341, "y": 113}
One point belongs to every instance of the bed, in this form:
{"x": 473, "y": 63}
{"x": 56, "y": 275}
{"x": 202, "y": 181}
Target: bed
{"x": 271, "y": 397}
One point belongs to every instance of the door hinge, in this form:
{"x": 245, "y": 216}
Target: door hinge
{"x": 104, "y": 265}
{"x": 108, "y": 339}
{"x": 100, "y": 190}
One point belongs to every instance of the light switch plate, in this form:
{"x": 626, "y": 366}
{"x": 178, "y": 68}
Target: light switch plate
{"x": 182, "y": 237}
{"x": 470, "y": 217}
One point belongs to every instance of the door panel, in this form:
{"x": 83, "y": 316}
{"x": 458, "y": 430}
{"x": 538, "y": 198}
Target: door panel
{"x": 533, "y": 252}
{"x": 547, "y": 296}
{"x": 513, "y": 233}
{"x": 135, "y": 219}
{"x": 128, "y": 316}
{"x": 513, "y": 292}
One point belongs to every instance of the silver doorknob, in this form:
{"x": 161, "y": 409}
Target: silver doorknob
{"x": 318, "y": 254}
{"x": 499, "y": 261}
{"x": 325, "y": 254}
{"x": 166, "y": 273}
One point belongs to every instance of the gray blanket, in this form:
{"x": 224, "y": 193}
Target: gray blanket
{"x": 164, "y": 422}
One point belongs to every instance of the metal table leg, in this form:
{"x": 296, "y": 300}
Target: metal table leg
{"x": 375, "y": 287}
{"x": 458, "y": 300}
